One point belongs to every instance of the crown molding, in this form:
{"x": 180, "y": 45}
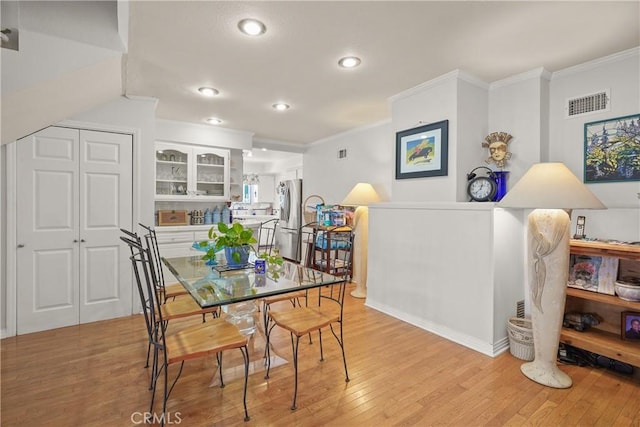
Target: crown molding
{"x": 537, "y": 73}
{"x": 625, "y": 54}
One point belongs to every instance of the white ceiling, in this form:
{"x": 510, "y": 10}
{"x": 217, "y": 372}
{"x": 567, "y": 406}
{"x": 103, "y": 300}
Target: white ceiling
{"x": 177, "y": 46}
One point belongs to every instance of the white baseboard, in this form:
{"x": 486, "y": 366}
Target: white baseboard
{"x": 489, "y": 349}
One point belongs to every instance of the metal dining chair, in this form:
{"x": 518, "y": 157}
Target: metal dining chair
{"x": 168, "y": 291}
{"x": 189, "y": 343}
{"x": 171, "y": 309}
{"x": 324, "y": 310}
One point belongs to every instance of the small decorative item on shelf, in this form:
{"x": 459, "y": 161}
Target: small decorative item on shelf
{"x": 497, "y": 143}
{"x": 628, "y": 290}
{"x": 581, "y": 321}
{"x": 630, "y": 325}
{"x": 482, "y": 188}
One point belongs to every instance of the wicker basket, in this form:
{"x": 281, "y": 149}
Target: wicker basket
{"x": 309, "y": 207}
{"x": 521, "y": 338}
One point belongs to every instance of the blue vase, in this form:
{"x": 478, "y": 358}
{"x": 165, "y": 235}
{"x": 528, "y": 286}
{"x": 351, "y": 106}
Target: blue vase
{"x": 501, "y": 180}
{"x": 243, "y": 253}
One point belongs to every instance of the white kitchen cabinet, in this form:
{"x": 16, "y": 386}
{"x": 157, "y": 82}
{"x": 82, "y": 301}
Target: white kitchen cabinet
{"x": 191, "y": 173}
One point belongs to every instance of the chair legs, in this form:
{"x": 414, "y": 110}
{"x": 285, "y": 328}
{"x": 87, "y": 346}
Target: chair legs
{"x": 167, "y": 390}
{"x": 295, "y": 343}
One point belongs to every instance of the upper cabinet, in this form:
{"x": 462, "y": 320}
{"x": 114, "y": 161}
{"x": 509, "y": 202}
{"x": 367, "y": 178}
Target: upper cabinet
{"x": 191, "y": 173}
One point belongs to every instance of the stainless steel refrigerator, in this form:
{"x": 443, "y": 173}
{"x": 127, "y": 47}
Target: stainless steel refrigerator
{"x": 287, "y": 238}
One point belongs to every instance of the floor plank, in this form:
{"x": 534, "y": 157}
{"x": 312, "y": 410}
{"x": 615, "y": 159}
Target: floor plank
{"x": 93, "y": 375}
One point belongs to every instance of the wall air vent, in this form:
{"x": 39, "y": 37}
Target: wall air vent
{"x": 342, "y": 154}
{"x": 587, "y": 104}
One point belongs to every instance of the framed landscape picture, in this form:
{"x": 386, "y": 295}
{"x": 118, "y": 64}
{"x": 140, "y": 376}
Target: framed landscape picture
{"x": 422, "y": 151}
{"x": 612, "y": 150}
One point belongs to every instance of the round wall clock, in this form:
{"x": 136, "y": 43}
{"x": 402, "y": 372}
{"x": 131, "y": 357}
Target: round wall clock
{"x": 481, "y": 188}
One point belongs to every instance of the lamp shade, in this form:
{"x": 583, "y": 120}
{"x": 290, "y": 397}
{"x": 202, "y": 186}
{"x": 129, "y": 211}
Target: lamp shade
{"x": 550, "y": 186}
{"x": 361, "y": 195}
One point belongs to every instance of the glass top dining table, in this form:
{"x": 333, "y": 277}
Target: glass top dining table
{"x": 215, "y": 286}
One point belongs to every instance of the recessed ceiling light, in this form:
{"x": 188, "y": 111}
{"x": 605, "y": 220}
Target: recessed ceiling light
{"x": 208, "y": 91}
{"x": 280, "y": 106}
{"x": 214, "y": 121}
{"x": 252, "y": 27}
{"x": 349, "y": 62}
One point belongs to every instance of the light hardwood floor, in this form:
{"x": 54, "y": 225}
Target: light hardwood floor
{"x": 93, "y": 375}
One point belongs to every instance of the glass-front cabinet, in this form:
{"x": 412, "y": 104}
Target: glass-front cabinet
{"x": 186, "y": 172}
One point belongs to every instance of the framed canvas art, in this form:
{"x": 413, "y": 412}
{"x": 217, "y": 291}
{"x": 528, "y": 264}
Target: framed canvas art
{"x": 612, "y": 150}
{"x": 422, "y": 151}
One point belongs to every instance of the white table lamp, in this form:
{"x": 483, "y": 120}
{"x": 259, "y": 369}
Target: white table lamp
{"x": 549, "y": 189}
{"x": 361, "y": 195}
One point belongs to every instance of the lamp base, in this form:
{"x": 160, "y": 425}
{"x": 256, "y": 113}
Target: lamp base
{"x": 359, "y": 292}
{"x": 546, "y": 374}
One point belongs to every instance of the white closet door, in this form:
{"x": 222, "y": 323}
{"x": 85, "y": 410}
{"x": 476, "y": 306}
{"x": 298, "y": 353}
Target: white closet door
{"x": 74, "y": 195}
{"x": 47, "y": 234}
{"x": 105, "y": 207}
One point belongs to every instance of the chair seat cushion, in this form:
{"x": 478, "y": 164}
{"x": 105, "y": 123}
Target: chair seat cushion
{"x": 302, "y": 320}
{"x": 183, "y": 307}
{"x": 174, "y": 289}
{"x": 201, "y": 340}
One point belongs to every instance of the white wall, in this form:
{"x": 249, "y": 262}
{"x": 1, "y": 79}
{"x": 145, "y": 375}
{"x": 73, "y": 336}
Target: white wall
{"x": 529, "y": 106}
{"x": 428, "y": 103}
{"x": 619, "y": 73}
{"x": 369, "y": 159}
{"x": 441, "y": 266}
{"x": 472, "y": 128}
{"x": 53, "y": 77}
{"x": 515, "y": 107}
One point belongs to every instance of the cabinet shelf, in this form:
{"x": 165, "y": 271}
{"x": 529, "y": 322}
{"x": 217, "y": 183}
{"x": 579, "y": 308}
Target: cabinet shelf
{"x": 605, "y": 338}
{"x": 170, "y": 162}
{"x": 595, "y": 248}
{"x": 604, "y": 343}
{"x": 603, "y": 298}
{"x": 182, "y": 180}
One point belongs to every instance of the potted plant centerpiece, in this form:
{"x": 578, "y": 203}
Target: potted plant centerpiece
{"x": 235, "y": 239}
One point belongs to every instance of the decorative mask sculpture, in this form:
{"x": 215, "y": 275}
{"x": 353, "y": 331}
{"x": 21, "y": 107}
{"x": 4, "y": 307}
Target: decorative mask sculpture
{"x": 497, "y": 143}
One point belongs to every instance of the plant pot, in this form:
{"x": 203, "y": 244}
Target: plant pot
{"x": 241, "y": 256}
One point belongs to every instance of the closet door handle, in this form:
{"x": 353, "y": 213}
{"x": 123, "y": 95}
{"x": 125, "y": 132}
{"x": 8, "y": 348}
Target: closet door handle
{"x": 75, "y": 240}
{"x": 82, "y": 240}
{"x": 20, "y": 245}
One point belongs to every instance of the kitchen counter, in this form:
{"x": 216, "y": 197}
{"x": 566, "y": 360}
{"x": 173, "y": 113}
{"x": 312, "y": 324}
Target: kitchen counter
{"x": 249, "y": 217}
{"x": 246, "y": 220}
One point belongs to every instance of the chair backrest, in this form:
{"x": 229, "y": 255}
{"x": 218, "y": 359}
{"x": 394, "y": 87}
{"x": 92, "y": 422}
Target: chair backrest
{"x": 151, "y": 241}
{"x": 266, "y": 236}
{"x": 149, "y": 293}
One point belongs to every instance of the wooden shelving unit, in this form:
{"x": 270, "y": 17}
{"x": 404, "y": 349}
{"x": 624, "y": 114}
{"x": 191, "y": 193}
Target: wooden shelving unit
{"x": 604, "y": 338}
